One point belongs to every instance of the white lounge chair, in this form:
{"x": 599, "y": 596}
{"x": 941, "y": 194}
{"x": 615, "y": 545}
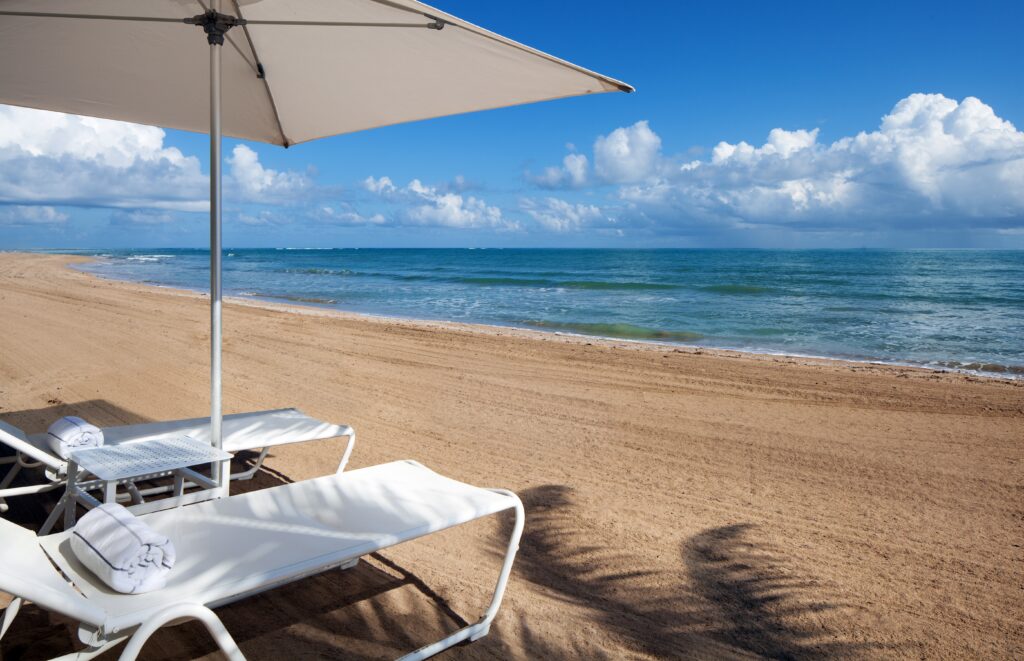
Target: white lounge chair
{"x": 259, "y": 430}
{"x": 235, "y": 547}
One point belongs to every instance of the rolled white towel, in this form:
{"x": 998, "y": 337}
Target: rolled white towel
{"x": 70, "y": 433}
{"x": 121, "y": 550}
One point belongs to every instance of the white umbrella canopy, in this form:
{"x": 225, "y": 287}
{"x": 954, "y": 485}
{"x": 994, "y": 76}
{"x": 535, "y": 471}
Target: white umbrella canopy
{"x": 320, "y": 80}
{"x": 275, "y": 71}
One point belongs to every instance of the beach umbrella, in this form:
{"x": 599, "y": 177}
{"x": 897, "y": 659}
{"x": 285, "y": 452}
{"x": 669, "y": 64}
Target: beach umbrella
{"x": 276, "y": 71}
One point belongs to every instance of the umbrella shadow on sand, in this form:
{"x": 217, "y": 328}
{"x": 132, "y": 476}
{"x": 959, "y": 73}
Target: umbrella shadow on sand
{"x": 31, "y": 511}
{"x": 733, "y": 595}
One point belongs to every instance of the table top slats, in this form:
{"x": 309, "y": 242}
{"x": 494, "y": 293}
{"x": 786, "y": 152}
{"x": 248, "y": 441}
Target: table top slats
{"x": 118, "y": 462}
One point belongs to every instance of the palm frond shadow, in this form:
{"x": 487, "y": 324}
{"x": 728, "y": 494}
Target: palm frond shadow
{"x": 732, "y": 595}
{"x": 758, "y": 603}
{"x": 31, "y": 511}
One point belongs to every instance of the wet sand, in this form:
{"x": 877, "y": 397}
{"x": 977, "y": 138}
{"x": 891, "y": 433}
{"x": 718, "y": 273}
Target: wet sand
{"x": 680, "y": 503}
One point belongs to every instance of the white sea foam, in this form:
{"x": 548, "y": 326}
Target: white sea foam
{"x": 147, "y": 258}
{"x": 942, "y": 310}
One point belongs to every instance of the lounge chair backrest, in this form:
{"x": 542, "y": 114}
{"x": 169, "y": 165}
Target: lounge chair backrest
{"x": 26, "y": 572}
{"x": 15, "y": 439}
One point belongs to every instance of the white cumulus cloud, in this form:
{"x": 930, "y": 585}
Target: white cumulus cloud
{"x": 50, "y": 157}
{"x": 17, "y": 215}
{"x": 420, "y": 204}
{"x": 57, "y": 135}
{"x": 931, "y": 157}
{"x": 345, "y": 214}
{"x": 451, "y": 209}
{"x": 573, "y": 173}
{"x": 558, "y": 215}
{"x": 60, "y": 159}
{"x": 259, "y": 182}
{"x": 932, "y": 162}
{"x": 381, "y": 186}
{"x": 780, "y": 141}
{"x": 627, "y": 154}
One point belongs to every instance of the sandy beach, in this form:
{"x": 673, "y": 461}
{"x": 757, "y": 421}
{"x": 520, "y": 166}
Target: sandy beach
{"x": 681, "y": 503}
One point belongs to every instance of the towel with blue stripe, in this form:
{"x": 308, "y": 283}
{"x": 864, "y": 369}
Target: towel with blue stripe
{"x": 121, "y": 550}
{"x": 71, "y": 433}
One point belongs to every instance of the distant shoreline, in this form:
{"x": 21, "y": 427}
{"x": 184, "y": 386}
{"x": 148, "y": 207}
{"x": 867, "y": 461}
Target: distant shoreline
{"x": 312, "y": 308}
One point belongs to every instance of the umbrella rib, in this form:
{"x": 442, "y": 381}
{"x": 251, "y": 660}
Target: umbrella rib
{"x": 162, "y": 19}
{"x": 241, "y": 53}
{"x": 472, "y": 29}
{"x": 261, "y": 73}
{"x": 487, "y": 35}
{"x": 105, "y": 17}
{"x": 344, "y": 24}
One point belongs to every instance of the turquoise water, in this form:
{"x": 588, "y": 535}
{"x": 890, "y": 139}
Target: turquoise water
{"x": 949, "y": 309}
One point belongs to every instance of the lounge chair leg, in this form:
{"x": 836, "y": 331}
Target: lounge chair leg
{"x": 51, "y": 520}
{"x": 249, "y": 473}
{"x": 90, "y": 652}
{"x": 8, "y": 478}
{"x": 184, "y": 612}
{"x": 11, "y": 473}
{"x": 82, "y": 655}
{"x": 10, "y": 613}
{"x": 349, "y": 565}
{"x": 480, "y": 629}
{"x": 348, "y": 450}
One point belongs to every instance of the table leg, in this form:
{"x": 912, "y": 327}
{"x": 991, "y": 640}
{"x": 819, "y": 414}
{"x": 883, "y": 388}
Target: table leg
{"x": 133, "y": 490}
{"x": 71, "y": 503}
{"x": 110, "y": 491}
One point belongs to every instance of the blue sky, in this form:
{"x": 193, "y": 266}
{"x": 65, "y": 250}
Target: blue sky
{"x": 754, "y": 124}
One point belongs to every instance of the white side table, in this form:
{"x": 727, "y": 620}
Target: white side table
{"x": 126, "y": 462}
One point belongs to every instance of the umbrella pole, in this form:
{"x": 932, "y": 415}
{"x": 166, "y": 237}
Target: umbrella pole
{"x": 221, "y": 473}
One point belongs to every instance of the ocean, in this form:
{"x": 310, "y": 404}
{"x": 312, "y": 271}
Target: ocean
{"x": 943, "y": 309}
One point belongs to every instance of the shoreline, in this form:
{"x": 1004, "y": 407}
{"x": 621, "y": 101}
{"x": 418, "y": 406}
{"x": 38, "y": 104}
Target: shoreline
{"x": 300, "y": 307}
